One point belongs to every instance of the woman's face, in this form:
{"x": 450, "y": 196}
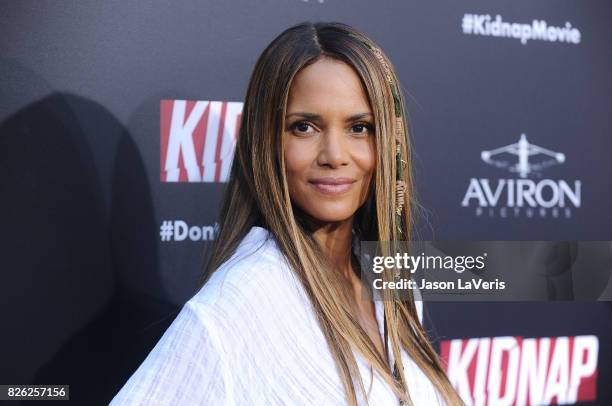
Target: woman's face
{"x": 329, "y": 141}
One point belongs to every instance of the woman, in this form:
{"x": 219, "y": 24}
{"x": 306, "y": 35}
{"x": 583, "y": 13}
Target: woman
{"x": 322, "y": 162}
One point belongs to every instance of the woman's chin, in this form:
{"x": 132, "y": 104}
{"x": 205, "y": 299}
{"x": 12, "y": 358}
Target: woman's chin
{"x": 332, "y": 216}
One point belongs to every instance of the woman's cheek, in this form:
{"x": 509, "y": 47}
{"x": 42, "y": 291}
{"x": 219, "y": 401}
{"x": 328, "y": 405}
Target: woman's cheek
{"x": 365, "y": 157}
{"x": 295, "y": 166}
{"x": 300, "y": 156}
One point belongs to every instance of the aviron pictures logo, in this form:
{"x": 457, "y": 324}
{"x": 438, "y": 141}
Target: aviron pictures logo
{"x": 523, "y": 371}
{"x": 197, "y": 139}
{"x": 523, "y": 196}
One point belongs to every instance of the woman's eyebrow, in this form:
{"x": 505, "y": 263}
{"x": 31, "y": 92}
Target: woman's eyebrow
{"x": 313, "y": 116}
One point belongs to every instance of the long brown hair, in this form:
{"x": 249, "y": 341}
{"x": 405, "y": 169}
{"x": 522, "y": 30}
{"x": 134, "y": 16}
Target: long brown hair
{"x": 257, "y": 195}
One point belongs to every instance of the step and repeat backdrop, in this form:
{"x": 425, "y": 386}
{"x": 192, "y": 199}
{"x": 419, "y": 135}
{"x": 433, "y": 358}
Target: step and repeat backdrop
{"x": 117, "y": 128}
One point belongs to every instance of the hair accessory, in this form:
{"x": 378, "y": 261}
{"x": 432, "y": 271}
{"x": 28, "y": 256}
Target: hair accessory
{"x": 400, "y": 184}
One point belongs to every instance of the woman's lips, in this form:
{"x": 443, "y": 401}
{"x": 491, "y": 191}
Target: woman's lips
{"x": 332, "y": 186}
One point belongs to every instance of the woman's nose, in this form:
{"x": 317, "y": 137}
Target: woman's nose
{"x": 333, "y": 149}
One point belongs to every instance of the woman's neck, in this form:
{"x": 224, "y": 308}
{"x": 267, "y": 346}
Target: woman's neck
{"x": 336, "y": 239}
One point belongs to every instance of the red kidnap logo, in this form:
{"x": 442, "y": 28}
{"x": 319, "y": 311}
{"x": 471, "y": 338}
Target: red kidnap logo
{"x": 197, "y": 139}
{"x": 523, "y": 371}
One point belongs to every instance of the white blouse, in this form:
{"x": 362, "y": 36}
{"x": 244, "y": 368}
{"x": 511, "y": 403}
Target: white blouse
{"x": 250, "y": 337}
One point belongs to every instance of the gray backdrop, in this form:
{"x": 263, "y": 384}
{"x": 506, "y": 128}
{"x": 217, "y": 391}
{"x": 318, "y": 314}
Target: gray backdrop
{"x": 87, "y": 282}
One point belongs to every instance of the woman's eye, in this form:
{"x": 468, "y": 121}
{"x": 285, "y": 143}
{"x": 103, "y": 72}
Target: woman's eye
{"x": 363, "y": 128}
{"x": 305, "y": 127}
{"x": 301, "y": 126}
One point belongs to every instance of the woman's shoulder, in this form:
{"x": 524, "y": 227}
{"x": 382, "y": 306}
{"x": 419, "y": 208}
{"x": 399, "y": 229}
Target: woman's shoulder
{"x": 256, "y": 275}
{"x": 241, "y": 319}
